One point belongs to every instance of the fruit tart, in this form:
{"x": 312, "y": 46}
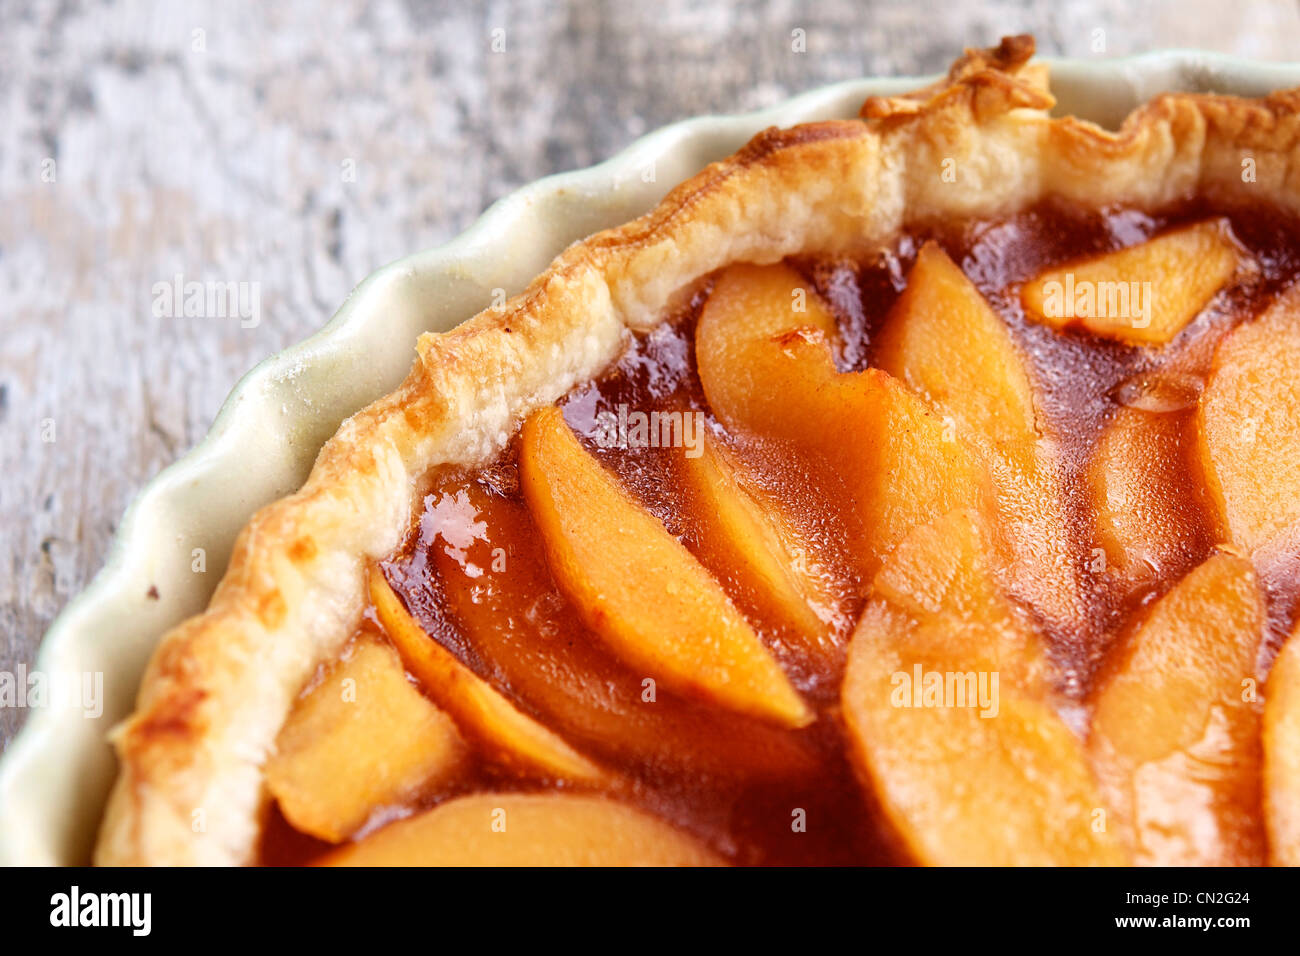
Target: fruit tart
{"x": 917, "y": 488}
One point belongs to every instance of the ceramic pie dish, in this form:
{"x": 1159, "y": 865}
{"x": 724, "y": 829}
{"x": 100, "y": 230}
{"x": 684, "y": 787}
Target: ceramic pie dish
{"x": 172, "y": 807}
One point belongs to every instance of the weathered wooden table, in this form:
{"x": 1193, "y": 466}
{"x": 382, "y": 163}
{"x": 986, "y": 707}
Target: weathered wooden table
{"x": 302, "y": 145}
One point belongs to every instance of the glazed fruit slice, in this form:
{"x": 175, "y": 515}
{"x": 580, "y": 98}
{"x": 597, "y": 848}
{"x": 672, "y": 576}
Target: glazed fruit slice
{"x": 945, "y": 341}
{"x": 638, "y": 588}
{"x": 945, "y": 701}
{"x": 365, "y": 716}
{"x": 510, "y": 737}
{"x": 1282, "y": 756}
{"x": 1249, "y": 425}
{"x": 942, "y": 577}
{"x": 1143, "y": 295}
{"x": 905, "y": 465}
{"x": 1149, "y": 524}
{"x": 1175, "y": 733}
{"x": 532, "y": 641}
{"x": 746, "y": 537}
{"x": 763, "y": 346}
{"x": 515, "y": 829}
{"x": 768, "y": 371}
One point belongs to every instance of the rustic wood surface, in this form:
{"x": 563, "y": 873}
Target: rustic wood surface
{"x": 301, "y": 145}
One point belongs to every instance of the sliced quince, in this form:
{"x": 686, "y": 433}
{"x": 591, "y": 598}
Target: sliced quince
{"x": 949, "y": 717}
{"x": 509, "y": 736}
{"x": 638, "y": 588}
{"x": 905, "y": 464}
{"x": 1282, "y": 755}
{"x": 531, "y": 640}
{"x": 945, "y": 341}
{"x": 768, "y": 371}
{"x": 1249, "y": 425}
{"x": 1150, "y": 525}
{"x": 1175, "y": 731}
{"x": 516, "y": 829}
{"x": 746, "y": 537}
{"x": 763, "y": 346}
{"x": 361, "y": 739}
{"x": 1143, "y": 295}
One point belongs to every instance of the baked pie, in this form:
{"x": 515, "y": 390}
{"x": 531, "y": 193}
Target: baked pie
{"x": 918, "y": 488}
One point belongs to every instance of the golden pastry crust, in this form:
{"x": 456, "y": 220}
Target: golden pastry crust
{"x": 980, "y": 143}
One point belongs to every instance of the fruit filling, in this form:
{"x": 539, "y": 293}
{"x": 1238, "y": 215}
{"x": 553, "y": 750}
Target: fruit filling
{"x": 977, "y": 549}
